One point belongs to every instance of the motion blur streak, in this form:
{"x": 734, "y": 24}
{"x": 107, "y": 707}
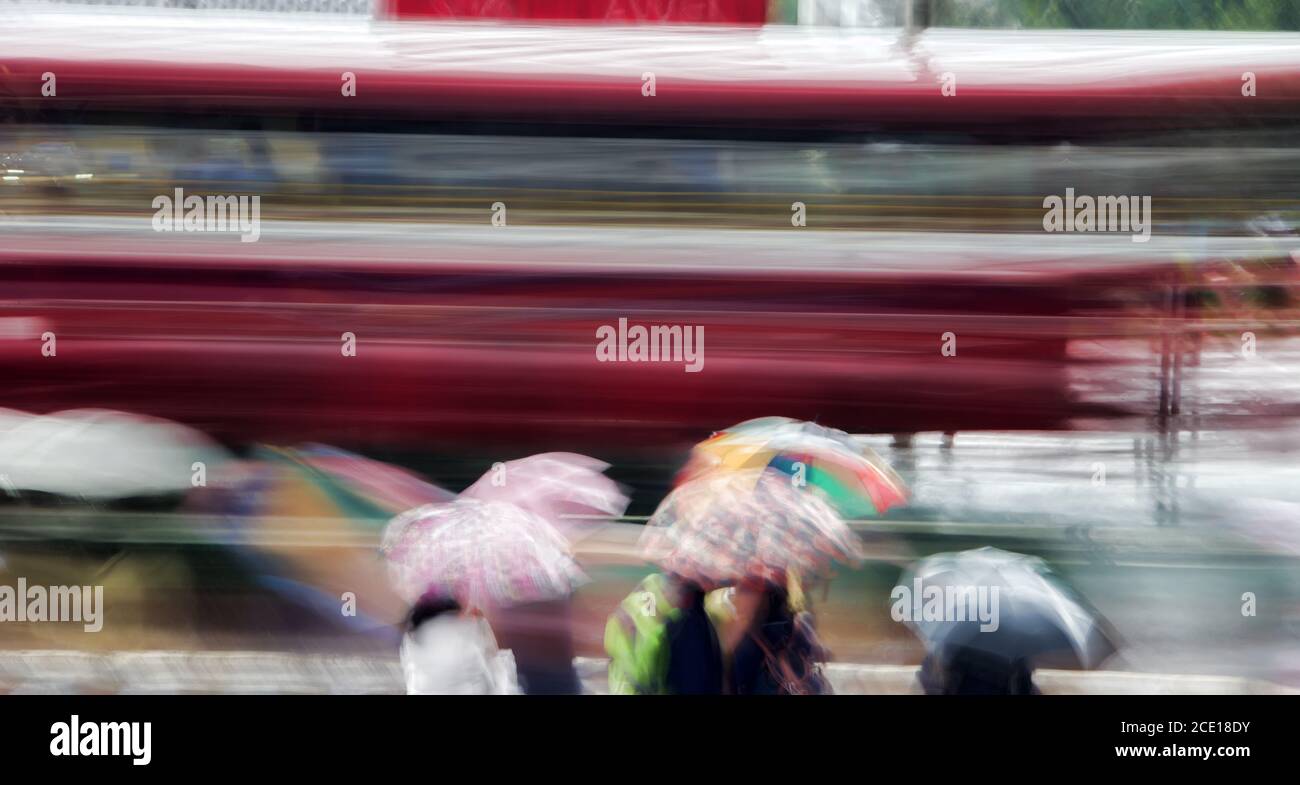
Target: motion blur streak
{"x": 216, "y": 431}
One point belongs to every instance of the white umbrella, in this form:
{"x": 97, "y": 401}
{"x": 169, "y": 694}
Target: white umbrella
{"x": 101, "y": 454}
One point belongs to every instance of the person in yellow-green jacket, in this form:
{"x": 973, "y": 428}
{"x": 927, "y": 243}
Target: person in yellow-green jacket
{"x": 662, "y": 641}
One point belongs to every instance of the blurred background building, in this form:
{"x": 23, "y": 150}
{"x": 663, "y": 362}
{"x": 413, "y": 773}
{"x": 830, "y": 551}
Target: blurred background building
{"x": 1101, "y": 411}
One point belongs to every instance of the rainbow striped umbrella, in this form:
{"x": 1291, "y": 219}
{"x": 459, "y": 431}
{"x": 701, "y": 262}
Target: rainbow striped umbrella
{"x": 286, "y": 500}
{"x": 856, "y": 481}
{"x": 324, "y": 481}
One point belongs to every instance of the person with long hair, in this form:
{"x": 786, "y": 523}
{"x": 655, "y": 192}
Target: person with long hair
{"x": 777, "y": 652}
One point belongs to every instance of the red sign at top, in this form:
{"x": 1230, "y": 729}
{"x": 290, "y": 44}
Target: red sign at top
{"x": 734, "y": 12}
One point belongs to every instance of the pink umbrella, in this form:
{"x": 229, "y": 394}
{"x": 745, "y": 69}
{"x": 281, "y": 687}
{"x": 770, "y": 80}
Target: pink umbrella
{"x": 564, "y": 488}
{"x": 483, "y": 553}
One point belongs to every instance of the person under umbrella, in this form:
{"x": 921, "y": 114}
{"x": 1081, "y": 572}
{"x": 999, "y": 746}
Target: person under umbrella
{"x": 465, "y": 559}
{"x": 449, "y": 650}
{"x": 769, "y": 629}
{"x": 750, "y": 526}
{"x": 989, "y": 617}
{"x": 572, "y": 494}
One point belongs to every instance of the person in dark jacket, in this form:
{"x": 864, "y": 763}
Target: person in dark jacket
{"x": 779, "y": 652}
{"x": 541, "y": 636}
{"x": 694, "y": 653}
{"x": 965, "y": 670}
